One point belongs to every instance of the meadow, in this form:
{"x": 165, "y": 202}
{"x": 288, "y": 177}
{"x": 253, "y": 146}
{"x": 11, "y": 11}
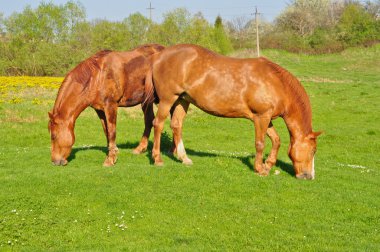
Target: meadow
{"x": 219, "y": 203}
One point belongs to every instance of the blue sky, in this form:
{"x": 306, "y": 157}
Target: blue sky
{"x": 117, "y": 10}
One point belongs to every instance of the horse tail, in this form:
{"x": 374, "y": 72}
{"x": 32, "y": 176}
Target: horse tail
{"x": 149, "y": 94}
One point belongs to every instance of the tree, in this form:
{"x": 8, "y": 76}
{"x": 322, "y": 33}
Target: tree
{"x": 221, "y": 39}
{"x": 238, "y": 32}
{"x": 173, "y": 29}
{"x": 201, "y": 32}
{"x": 110, "y": 35}
{"x": 304, "y": 16}
{"x": 357, "y": 26}
{"x": 138, "y": 27}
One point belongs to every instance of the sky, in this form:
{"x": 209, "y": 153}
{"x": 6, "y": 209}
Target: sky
{"x": 117, "y": 10}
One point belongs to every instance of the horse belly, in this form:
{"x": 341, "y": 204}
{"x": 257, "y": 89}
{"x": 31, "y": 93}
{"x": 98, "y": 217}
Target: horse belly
{"x": 218, "y": 105}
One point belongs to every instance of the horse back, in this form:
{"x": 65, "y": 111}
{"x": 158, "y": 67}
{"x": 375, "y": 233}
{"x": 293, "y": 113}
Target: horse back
{"x": 217, "y": 84}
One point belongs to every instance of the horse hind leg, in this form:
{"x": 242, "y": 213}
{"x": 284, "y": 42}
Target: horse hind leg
{"x": 102, "y": 117}
{"x": 178, "y": 113}
{"x": 111, "y": 116}
{"x": 275, "y": 139}
{"x": 162, "y": 113}
{"x": 148, "y": 120}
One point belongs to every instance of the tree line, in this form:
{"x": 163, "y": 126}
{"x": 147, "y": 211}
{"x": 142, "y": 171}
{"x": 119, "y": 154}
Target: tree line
{"x": 51, "y": 39}
{"x": 313, "y": 26}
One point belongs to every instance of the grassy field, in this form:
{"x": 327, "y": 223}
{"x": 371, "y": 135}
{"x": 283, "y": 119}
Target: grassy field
{"x": 216, "y": 204}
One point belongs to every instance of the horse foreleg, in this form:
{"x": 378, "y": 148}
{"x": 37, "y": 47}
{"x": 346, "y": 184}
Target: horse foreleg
{"x": 261, "y": 126}
{"x": 178, "y": 113}
{"x": 158, "y": 123}
{"x": 275, "y": 138}
{"x": 148, "y": 119}
{"x": 111, "y": 116}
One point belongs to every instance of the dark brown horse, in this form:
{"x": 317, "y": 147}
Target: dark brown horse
{"x": 105, "y": 81}
{"x": 257, "y": 89}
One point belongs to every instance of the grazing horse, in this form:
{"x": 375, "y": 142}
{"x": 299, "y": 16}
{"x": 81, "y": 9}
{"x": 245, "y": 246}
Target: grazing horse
{"x": 105, "y": 81}
{"x": 257, "y": 89}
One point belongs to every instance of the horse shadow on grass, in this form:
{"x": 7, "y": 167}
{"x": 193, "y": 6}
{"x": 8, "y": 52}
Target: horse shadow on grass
{"x": 166, "y": 144}
{"x": 246, "y": 160}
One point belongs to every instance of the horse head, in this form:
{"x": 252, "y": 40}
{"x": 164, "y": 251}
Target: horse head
{"x": 62, "y": 139}
{"x": 301, "y": 152}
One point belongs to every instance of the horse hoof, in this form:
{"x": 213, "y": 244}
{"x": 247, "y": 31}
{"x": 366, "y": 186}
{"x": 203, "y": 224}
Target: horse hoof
{"x": 262, "y": 173}
{"x": 159, "y": 163}
{"x": 187, "y": 161}
{"x": 109, "y": 162}
{"x": 137, "y": 151}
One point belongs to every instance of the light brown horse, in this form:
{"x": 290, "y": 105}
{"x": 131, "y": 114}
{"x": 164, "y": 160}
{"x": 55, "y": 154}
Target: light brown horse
{"x": 105, "y": 81}
{"x": 257, "y": 89}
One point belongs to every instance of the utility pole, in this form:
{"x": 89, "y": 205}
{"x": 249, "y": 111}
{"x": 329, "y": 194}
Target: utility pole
{"x": 150, "y": 11}
{"x": 257, "y": 32}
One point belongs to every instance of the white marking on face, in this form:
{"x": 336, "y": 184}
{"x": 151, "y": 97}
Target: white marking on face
{"x": 312, "y": 169}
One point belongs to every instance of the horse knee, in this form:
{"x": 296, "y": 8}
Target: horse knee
{"x": 276, "y": 141}
{"x": 158, "y": 125}
{"x": 175, "y": 125}
{"x": 259, "y": 146}
{"x": 155, "y": 123}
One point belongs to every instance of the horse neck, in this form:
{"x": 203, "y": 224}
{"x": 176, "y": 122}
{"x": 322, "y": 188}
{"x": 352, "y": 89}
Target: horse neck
{"x": 298, "y": 112}
{"x": 298, "y": 121}
{"x": 70, "y": 103}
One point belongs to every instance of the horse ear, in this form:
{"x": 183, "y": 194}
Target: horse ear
{"x": 50, "y": 115}
{"x": 314, "y": 135}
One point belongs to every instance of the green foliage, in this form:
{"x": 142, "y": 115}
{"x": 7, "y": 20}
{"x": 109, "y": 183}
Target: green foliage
{"x": 109, "y": 35}
{"x": 357, "y": 26}
{"x": 173, "y": 29}
{"x": 221, "y": 38}
{"x": 218, "y": 204}
{"x": 51, "y": 39}
{"x": 324, "y": 26}
{"x": 138, "y": 27}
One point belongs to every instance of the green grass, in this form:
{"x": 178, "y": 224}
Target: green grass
{"x": 216, "y": 204}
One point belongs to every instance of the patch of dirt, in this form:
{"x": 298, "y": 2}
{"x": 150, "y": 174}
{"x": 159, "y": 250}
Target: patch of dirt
{"x": 324, "y": 80}
{"x": 14, "y": 117}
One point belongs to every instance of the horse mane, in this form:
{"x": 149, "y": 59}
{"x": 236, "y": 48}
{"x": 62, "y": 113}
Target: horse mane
{"x": 81, "y": 74}
{"x": 301, "y": 101}
{"x": 149, "y": 49}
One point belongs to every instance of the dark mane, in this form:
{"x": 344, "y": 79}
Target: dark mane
{"x": 149, "y": 49}
{"x": 301, "y": 99}
{"x": 82, "y": 72}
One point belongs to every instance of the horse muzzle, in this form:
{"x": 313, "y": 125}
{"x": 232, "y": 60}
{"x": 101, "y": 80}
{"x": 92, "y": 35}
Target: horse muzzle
{"x": 59, "y": 162}
{"x": 305, "y": 175}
